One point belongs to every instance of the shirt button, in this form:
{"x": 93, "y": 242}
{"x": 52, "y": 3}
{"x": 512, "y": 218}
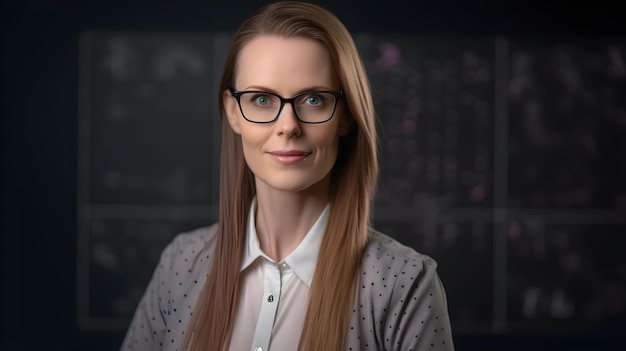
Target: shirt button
{"x": 269, "y": 299}
{"x": 258, "y": 348}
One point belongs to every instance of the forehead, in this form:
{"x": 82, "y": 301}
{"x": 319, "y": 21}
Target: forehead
{"x": 284, "y": 64}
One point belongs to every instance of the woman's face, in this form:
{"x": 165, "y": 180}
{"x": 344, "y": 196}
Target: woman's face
{"x": 286, "y": 155}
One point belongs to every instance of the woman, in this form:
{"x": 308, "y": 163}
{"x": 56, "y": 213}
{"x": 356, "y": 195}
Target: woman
{"x": 292, "y": 263}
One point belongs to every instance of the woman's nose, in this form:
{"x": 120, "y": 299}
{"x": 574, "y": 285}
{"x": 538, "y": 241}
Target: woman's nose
{"x": 287, "y": 122}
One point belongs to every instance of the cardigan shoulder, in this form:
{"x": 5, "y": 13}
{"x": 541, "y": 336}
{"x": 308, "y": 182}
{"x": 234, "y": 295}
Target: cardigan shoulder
{"x": 381, "y": 247}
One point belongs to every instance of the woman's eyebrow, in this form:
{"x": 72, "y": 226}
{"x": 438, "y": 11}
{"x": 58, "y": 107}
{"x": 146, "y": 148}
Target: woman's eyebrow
{"x": 304, "y": 90}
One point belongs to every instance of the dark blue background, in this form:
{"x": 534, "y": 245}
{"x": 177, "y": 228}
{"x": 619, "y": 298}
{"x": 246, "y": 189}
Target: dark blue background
{"x": 39, "y": 57}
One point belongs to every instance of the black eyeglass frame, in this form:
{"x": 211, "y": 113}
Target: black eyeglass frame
{"x": 237, "y": 95}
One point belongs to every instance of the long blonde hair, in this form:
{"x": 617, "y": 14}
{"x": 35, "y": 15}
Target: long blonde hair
{"x": 353, "y": 182}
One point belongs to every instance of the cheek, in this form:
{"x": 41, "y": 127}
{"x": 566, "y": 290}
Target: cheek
{"x": 250, "y": 137}
{"x": 252, "y": 142}
{"x": 330, "y": 148}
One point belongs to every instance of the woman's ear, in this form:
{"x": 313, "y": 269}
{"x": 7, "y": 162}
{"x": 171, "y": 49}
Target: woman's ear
{"x": 230, "y": 107}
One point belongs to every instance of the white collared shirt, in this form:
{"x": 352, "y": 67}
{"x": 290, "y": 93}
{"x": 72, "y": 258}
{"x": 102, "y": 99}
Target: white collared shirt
{"x": 274, "y": 295}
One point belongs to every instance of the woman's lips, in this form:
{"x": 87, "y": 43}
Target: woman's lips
{"x": 288, "y": 157}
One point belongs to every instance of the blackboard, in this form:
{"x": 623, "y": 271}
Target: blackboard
{"x": 502, "y": 158}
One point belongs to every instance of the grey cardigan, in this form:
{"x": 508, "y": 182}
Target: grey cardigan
{"x": 400, "y": 304}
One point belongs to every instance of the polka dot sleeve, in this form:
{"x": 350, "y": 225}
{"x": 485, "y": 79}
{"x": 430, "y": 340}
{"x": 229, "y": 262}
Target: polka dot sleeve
{"x": 418, "y": 317}
{"x": 166, "y": 308}
{"x": 401, "y": 303}
{"x": 148, "y": 326}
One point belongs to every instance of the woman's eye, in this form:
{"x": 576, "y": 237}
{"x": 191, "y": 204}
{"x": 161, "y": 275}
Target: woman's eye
{"x": 262, "y": 100}
{"x": 314, "y": 100}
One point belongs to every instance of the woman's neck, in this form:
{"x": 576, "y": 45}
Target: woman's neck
{"x": 284, "y": 218}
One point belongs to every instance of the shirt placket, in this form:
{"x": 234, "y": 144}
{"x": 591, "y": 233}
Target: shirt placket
{"x": 269, "y": 306}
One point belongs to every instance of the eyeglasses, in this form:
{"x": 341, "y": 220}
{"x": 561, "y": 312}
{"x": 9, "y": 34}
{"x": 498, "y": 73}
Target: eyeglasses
{"x": 264, "y": 107}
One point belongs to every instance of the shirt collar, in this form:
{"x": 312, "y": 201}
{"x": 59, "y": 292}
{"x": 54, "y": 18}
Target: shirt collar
{"x": 302, "y": 260}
